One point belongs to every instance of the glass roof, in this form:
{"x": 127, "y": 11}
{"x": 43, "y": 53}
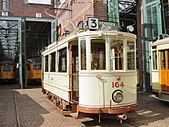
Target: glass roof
{"x": 126, "y": 6}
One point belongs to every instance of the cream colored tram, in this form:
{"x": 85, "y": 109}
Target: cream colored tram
{"x": 160, "y": 69}
{"x": 92, "y": 72}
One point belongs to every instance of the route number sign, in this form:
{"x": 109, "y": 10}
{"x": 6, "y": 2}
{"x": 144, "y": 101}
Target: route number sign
{"x": 93, "y": 23}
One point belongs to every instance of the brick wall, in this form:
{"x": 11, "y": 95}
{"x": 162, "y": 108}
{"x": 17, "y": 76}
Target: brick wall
{"x": 20, "y": 8}
{"x": 80, "y": 11}
{"x": 76, "y": 11}
{"x": 100, "y": 10}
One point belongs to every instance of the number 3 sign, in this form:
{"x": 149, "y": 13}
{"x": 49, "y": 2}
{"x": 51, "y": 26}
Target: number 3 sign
{"x": 93, "y": 23}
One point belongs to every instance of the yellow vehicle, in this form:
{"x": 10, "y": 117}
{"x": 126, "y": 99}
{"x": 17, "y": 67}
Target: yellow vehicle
{"x": 33, "y": 70}
{"x": 7, "y": 71}
{"x": 160, "y": 69}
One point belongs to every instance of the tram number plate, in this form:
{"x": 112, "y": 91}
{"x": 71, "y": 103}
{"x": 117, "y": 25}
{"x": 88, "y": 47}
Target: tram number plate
{"x": 117, "y": 84}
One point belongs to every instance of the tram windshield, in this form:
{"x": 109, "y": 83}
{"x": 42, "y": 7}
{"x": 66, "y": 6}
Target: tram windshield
{"x": 37, "y": 66}
{"x": 6, "y": 68}
{"x": 116, "y": 55}
{"x": 98, "y": 61}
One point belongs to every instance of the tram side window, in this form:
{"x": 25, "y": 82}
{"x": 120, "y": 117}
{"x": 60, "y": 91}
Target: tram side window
{"x": 53, "y": 62}
{"x": 154, "y": 53}
{"x": 46, "y": 63}
{"x": 62, "y": 66}
{"x": 98, "y": 61}
{"x": 130, "y": 55}
{"x": 116, "y": 55}
{"x": 163, "y": 64}
{"x": 83, "y": 54}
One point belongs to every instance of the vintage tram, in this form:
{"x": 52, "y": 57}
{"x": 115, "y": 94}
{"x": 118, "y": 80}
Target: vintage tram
{"x": 33, "y": 72}
{"x": 160, "y": 68}
{"x": 92, "y": 72}
{"x": 7, "y": 71}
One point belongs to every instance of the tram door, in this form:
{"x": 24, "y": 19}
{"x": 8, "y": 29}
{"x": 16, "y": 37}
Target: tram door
{"x": 74, "y": 72}
{"x": 164, "y": 70}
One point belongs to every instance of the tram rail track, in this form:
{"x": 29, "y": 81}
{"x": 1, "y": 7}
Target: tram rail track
{"x": 16, "y": 108}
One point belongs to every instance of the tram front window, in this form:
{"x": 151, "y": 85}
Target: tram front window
{"x": 116, "y": 55}
{"x": 37, "y": 66}
{"x": 98, "y": 61}
{"x": 6, "y": 69}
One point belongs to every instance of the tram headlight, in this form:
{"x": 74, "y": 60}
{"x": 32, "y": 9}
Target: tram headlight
{"x": 117, "y": 96}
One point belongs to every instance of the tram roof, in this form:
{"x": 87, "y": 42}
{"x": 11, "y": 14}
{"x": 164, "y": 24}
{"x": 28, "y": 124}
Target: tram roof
{"x": 161, "y": 42}
{"x": 84, "y": 32}
{"x": 7, "y": 63}
{"x": 34, "y": 59}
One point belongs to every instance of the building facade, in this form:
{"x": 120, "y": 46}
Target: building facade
{"x": 154, "y": 25}
{"x": 27, "y": 26}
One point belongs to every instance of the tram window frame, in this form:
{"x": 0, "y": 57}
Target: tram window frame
{"x": 98, "y": 54}
{"x": 53, "y": 62}
{"x": 131, "y": 57}
{"x": 83, "y": 54}
{"x": 46, "y": 63}
{"x": 62, "y": 63}
{"x": 154, "y": 59}
{"x": 163, "y": 61}
{"x": 116, "y": 57}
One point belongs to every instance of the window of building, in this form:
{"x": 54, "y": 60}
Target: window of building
{"x": 53, "y": 62}
{"x": 98, "y": 61}
{"x": 83, "y": 54}
{"x": 130, "y": 55}
{"x": 148, "y": 1}
{"x": 5, "y": 5}
{"x": 48, "y": 2}
{"x": 116, "y": 55}
{"x": 62, "y": 66}
{"x": 53, "y": 28}
{"x": 46, "y": 63}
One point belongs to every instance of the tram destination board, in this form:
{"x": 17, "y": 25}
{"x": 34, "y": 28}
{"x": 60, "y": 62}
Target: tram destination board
{"x": 108, "y": 26}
